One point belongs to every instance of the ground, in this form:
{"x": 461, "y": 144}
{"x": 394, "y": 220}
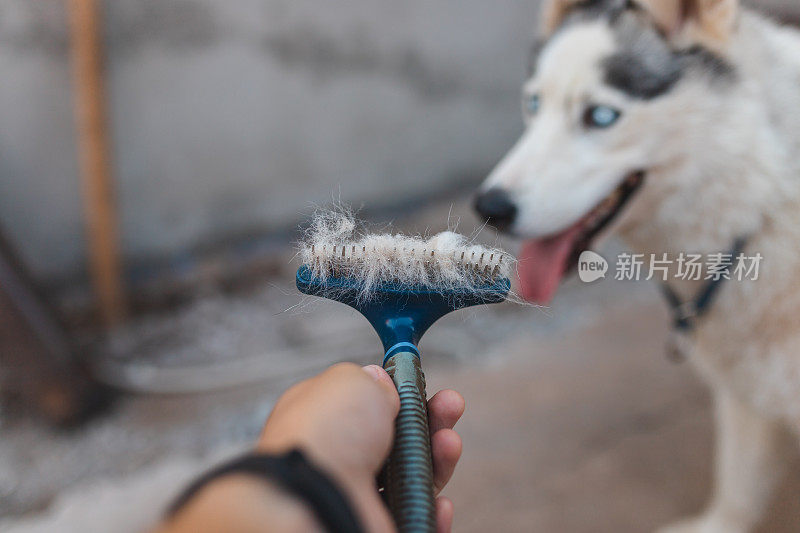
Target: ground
{"x": 576, "y": 421}
{"x": 593, "y": 431}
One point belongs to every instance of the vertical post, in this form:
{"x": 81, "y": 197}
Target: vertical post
{"x": 95, "y": 160}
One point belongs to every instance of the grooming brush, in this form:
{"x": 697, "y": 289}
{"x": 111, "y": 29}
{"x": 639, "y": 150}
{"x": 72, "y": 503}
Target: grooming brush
{"x": 402, "y": 286}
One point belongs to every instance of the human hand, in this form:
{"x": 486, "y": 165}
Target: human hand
{"x": 344, "y": 420}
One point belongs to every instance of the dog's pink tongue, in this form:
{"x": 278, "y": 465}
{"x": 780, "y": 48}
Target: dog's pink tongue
{"x": 542, "y": 264}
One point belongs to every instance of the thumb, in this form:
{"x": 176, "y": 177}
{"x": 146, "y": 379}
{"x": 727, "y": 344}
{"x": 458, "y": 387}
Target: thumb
{"x": 383, "y": 379}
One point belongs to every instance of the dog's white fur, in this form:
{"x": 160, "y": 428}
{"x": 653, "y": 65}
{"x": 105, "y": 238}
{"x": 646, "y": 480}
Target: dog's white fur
{"x": 722, "y": 162}
{"x": 335, "y": 244}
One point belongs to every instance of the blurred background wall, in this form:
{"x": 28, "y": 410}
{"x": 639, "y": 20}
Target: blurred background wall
{"x": 232, "y": 118}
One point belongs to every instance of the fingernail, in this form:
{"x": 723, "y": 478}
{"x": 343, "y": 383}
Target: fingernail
{"x": 374, "y": 371}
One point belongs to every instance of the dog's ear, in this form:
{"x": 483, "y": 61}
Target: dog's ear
{"x": 707, "y": 22}
{"x": 553, "y": 14}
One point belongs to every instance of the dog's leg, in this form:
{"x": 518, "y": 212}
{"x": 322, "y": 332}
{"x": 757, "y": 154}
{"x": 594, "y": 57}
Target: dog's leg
{"x": 752, "y": 453}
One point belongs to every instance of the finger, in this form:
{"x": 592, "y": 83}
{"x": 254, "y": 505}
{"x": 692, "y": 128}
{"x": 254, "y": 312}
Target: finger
{"x": 445, "y": 409}
{"x": 446, "y": 450}
{"x": 379, "y": 375}
{"x": 444, "y": 514}
{"x": 383, "y": 379}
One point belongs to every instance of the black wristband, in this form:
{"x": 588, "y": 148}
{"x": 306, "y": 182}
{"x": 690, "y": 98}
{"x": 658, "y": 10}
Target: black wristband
{"x": 295, "y": 474}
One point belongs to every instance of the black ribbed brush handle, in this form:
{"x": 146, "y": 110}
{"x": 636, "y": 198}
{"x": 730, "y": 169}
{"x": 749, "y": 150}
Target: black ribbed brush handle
{"x": 408, "y": 475}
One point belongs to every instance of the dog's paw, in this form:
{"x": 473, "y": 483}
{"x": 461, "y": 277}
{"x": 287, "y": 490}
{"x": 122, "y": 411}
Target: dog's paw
{"x": 703, "y": 524}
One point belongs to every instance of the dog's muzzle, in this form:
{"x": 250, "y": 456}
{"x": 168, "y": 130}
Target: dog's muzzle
{"x": 495, "y": 207}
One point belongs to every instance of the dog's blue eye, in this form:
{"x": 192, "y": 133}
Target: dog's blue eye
{"x": 601, "y": 116}
{"x": 532, "y": 104}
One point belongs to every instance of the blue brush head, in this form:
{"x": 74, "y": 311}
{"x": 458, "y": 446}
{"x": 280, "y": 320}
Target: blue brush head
{"x": 400, "y": 313}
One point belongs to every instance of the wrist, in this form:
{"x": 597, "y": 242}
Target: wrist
{"x": 241, "y": 503}
{"x": 355, "y": 484}
{"x": 324, "y": 458}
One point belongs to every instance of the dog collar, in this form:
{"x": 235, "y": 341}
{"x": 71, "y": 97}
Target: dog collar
{"x": 686, "y": 313}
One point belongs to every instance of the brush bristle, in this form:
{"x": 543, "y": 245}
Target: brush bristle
{"x": 333, "y": 247}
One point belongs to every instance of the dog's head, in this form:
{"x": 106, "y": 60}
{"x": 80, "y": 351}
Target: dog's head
{"x": 611, "y": 87}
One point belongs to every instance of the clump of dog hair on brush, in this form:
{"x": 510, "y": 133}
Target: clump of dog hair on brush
{"x": 334, "y": 245}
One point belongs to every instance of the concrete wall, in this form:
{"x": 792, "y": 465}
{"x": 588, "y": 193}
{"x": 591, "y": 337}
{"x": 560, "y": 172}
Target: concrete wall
{"x": 237, "y": 115}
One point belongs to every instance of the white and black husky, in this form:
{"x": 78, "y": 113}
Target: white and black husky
{"x": 676, "y": 124}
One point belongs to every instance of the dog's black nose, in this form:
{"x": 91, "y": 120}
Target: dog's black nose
{"x": 496, "y": 207}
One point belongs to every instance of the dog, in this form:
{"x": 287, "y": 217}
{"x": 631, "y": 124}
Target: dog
{"x": 675, "y": 124}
